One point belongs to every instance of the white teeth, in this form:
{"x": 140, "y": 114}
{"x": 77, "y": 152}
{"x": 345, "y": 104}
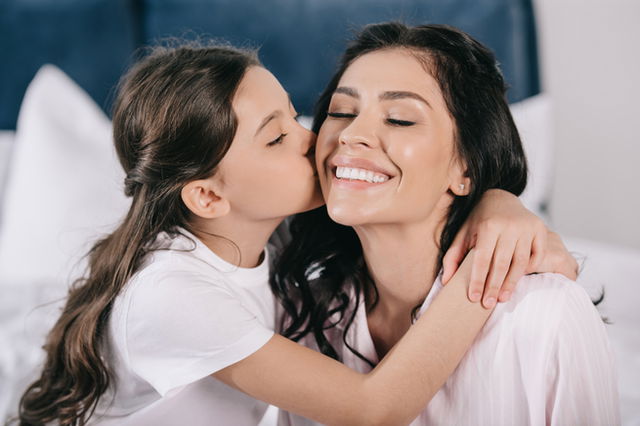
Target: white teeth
{"x": 360, "y": 174}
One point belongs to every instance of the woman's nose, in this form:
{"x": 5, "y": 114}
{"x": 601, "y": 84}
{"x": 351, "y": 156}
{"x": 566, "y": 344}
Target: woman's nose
{"x": 359, "y": 133}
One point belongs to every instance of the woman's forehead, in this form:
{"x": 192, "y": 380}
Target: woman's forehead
{"x": 391, "y": 70}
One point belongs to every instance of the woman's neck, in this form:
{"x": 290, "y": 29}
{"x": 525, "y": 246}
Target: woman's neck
{"x": 402, "y": 260}
{"x": 235, "y": 241}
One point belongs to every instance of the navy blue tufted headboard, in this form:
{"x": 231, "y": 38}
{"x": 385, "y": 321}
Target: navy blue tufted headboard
{"x": 299, "y": 40}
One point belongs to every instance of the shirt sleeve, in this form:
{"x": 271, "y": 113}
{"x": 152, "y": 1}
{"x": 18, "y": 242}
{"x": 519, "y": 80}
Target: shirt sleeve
{"x": 582, "y": 378}
{"x": 183, "y": 327}
{"x": 286, "y": 418}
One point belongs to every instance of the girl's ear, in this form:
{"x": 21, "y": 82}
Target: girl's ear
{"x": 459, "y": 184}
{"x": 204, "y": 200}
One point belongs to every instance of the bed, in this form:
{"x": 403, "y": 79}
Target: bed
{"x": 61, "y": 187}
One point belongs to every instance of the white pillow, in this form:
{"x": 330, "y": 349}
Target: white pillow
{"x": 64, "y": 187}
{"x": 6, "y": 143}
{"x": 533, "y": 119}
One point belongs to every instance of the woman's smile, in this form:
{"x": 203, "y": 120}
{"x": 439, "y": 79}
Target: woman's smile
{"x": 349, "y": 172}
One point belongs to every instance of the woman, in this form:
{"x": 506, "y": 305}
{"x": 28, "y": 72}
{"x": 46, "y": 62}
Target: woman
{"x": 413, "y": 129}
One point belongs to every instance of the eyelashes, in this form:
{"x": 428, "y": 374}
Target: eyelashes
{"x": 392, "y": 121}
{"x": 277, "y": 140}
{"x": 340, "y": 115}
{"x": 280, "y": 138}
{"x": 402, "y": 123}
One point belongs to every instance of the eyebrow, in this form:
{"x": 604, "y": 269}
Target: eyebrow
{"x": 271, "y": 116}
{"x": 267, "y": 119}
{"x": 349, "y": 91}
{"x": 401, "y": 94}
{"x": 385, "y": 96}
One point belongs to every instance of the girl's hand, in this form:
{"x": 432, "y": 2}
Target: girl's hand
{"x": 557, "y": 259}
{"x": 510, "y": 241}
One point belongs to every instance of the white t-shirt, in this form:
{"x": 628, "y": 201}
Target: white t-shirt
{"x": 183, "y": 316}
{"x": 542, "y": 358}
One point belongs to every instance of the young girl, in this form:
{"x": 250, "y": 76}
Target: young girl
{"x": 174, "y": 323}
{"x": 423, "y": 109}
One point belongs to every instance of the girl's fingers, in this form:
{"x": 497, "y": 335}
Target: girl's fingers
{"x": 484, "y": 247}
{"x": 518, "y": 267}
{"x": 502, "y": 258}
{"x": 454, "y": 256}
{"x": 538, "y": 251}
{"x": 569, "y": 268}
{"x": 556, "y": 258}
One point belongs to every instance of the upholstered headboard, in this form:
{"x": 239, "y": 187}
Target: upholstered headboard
{"x": 300, "y": 40}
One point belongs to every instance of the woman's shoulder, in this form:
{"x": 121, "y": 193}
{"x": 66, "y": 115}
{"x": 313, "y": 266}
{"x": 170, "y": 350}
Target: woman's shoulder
{"x": 549, "y": 288}
{"x": 544, "y": 304}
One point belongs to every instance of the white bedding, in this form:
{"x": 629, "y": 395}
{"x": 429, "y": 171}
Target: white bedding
{"x": 6, "y": 139}
{"x": 26, "y": 315}
{"x": 617, "y": 270}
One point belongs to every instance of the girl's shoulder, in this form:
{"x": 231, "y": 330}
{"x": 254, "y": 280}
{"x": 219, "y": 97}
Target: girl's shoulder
{"x": 181, "y": 260}
{"x": 175, "y": 277}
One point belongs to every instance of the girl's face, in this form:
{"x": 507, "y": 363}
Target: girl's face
{"x": 267, "y": 172}
{"x": 385, "y": 153}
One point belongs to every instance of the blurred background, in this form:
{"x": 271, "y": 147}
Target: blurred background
{"x": 586, "y": 61}
{"x": 572, "y": 67}
{"x": 590, "y": 66}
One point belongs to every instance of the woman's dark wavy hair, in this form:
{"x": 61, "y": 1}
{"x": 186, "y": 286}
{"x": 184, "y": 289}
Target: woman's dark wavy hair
{"x": 320, "y": 276}
{"x": 172, "y": 123}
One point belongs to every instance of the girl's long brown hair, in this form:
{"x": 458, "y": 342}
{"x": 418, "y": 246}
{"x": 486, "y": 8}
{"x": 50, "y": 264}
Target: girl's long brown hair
{"x": 172, "y": 123}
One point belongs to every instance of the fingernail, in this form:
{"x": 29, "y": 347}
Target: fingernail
{"x": 475, "y": 297}
{"x": 505, "y": 296}
{"x": 490, "y": 302}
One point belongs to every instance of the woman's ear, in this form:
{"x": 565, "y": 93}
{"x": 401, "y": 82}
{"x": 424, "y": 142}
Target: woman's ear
{"x": 460, "y": 184}
{"x": 203, "y": 199}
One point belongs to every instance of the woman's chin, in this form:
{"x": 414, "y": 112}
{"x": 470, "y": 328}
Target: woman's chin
{"x": 346, "y": 216}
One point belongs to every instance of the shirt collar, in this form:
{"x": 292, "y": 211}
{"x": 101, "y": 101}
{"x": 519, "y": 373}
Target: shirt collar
{"x": 435, "y": 289}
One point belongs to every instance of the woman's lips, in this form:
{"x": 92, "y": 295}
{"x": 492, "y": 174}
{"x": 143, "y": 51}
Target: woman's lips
{"x": 357, "y": 173}
{"x": 359, "y": 163}
{"x": 341, "y": 178}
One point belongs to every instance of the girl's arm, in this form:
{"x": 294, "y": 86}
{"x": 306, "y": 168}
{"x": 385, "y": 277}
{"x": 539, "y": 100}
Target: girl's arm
{"x": 509, "y": 241}
{"x": 303, "y": 381}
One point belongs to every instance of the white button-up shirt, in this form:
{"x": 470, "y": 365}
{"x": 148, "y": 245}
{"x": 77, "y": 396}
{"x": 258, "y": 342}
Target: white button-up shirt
{"x": 542, "y": 358}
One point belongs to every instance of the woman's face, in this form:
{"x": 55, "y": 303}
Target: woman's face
{"x": 385, "y": 153}
{"x": 267, "y": 173}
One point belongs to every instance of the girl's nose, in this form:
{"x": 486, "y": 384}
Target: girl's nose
{"x": 309, "y": 145}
